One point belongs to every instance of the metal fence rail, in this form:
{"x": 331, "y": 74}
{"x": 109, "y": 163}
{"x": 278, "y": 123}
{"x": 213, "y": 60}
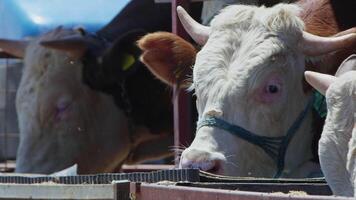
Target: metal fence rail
{"x": 190, "y": 184}
{"x": 59, "y": 191}
{"x": 146, "y": 191}
{"x": 10, "y": 73}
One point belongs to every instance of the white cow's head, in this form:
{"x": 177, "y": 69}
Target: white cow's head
{"x": 249, "y": 73}
{"x": 337, "y": 145}
{"x": 61, "y": 120}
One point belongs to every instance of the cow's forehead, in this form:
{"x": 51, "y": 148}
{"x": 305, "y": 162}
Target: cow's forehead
{"x": 281, "y": 18}
{"x": 40, "y": 57}
{"x": 246, "y": 37}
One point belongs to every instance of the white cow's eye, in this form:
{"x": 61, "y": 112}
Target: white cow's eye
{"x": 273, "y": 89}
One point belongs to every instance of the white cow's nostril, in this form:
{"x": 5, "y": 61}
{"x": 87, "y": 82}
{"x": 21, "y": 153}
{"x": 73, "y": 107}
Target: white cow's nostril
{"x": 205, "y": 161}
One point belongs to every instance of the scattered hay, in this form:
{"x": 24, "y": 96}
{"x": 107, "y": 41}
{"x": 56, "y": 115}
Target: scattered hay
{"x": 293, "y": 192}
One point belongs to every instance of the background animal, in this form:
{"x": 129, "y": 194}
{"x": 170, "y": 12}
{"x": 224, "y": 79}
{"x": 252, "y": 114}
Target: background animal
{"x": 144, "y": 99}
{"x": 61, "y": 120}
{"x": 230, "y": 67}
{"x": 106, "y": 66}
{"x": 338, "y": 142}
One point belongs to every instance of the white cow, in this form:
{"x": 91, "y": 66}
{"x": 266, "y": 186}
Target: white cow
{"x": 254, "y": 114}
{"x": 337, "y": 146}
{"x": 62, "y": 121}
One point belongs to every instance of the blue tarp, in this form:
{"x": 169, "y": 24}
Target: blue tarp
{"x": 21, "y": 18}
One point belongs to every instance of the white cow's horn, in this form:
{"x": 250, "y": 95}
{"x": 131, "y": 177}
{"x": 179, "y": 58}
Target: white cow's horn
{"x": 319, "y": 81}
{"x": 14, "y": 47}
{"x": 313, "y": 45}
{"x": 74, "y": 45}
{"x": 198, "y": 32}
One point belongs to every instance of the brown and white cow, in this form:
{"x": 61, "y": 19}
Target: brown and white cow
{"x": 63, "y": 122}
{"x": 249, "y": 73}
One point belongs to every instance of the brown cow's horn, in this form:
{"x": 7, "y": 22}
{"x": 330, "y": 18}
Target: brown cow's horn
{"x": 198, "y": 32}
{"x": 14, "y": 47}
{"x": 74, "y": 45}
{"x": 313, "y": 45}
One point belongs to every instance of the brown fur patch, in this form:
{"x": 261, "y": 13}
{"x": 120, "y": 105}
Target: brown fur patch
{"x": 328, "y": 18}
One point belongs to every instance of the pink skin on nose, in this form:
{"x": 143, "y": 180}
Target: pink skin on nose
{"x": 203, "y": 161}
{"x": 270, "y": 91}
{"x": 203, "y": 165}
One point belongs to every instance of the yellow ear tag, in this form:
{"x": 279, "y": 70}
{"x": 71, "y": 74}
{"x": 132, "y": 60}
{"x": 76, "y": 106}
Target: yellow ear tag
{"x": 127, "y": 61}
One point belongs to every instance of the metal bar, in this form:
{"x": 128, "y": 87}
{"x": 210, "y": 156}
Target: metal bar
{"x": 174, "y": 175}
{"x": 7, "y": 166}
{"x": 306, "y": 188}
{"x": 122, "y": 190}
{"x": 58, "y": 191}
{"x": 145, "y": 167}
{"x": 167, "y": 192}
{"x": 181, "y": 99}
{"x": 6, "y": 114}
{"x": 6, "y": 55}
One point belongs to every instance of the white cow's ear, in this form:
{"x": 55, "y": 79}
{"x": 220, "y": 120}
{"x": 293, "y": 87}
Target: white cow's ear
{"x": 319, "y": 81}
{"x": 349, "y": 64}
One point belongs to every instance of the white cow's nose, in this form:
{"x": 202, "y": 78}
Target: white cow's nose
{"x": 203, "y": 160}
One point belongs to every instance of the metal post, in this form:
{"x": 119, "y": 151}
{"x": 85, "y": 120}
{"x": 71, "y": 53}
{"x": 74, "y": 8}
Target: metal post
{"x": 181, "y": 99}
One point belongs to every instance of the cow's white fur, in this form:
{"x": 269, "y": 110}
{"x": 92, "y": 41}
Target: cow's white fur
{"x": 246, "y": 45}
{"x": 337, "y": 145}
{"x": 91, "y": 122}
{"x": 63, "y": 122}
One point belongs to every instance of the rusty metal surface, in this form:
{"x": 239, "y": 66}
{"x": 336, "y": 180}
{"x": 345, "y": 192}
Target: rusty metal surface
{"x": 167, "y": 192}
{"x": 308, "y": 188}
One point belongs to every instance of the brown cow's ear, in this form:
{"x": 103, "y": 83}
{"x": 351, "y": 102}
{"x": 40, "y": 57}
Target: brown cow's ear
{"x": 168, "y": 57}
